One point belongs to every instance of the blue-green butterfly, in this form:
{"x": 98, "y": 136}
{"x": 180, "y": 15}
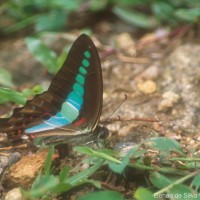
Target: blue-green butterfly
{"x": 72, "y": 105}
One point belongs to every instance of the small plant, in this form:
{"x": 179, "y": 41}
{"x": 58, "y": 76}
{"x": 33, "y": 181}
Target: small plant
{"x": 54, "y": 15}
{"x": 42, "y": 54}
{"x": 47, "y": 185}
{"x": 171, "y": 172}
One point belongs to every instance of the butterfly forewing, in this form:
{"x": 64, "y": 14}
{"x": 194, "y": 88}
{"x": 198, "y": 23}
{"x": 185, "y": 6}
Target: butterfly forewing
{"x": 93, "y": 89}
{"x": 73, "y": 101}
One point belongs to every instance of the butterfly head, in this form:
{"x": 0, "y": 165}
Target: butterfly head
{"x": 103, "y": 132}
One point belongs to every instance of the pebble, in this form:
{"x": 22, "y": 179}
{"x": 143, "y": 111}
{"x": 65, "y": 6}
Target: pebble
{"x": 14, "y": 194}
{"x": 24, "y": 172}
{"x": 125, "y": 41}
{"x": 7, "y": 161}
{"x": 14, "y": 157}
{"x": 151, "y": 73}
{"x": 169, "y": 99}
{"x": 4, "y": 161}
{"x": 147, "y": 87}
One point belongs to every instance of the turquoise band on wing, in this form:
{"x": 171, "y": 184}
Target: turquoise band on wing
{"x": 73, "y": 103}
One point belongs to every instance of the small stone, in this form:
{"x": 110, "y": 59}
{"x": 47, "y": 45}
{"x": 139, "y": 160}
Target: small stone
{"x": 24, "y": 172}
{"x": 4, "y": 161}
{"x": 169, "y": 99}
{"x": 14, "y": 157}
{"x": 125, "y": 41}
{"x": 14, "y": 194}
{"x": 151, "y": 73}
{"x": 147, "y": 87}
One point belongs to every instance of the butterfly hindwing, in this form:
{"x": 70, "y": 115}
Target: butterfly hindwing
{"x": 73, "y": 101}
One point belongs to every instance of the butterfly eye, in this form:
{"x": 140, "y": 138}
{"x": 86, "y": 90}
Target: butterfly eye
{"x": 103, "y": 132}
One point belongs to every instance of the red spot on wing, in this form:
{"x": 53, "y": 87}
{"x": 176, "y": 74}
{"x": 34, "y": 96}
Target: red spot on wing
{"x": 19, "y": 131}
{"x": 79, "y": 122}
{"x": 32, "y": 136}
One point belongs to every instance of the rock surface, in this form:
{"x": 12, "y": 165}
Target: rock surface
{"x": 24, "y": 172}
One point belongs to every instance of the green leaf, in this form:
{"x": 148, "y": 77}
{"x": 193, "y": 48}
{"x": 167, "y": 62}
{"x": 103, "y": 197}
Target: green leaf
{"x": 48, "y": 161}
{"x": 48, "y": 184}
{"x": 144, "y": 194}
{"x": 11, "y": 95}
{"x": 64, "y": 173}
{"x": 52, "y": 21}
{"x": 61, "y": 187}
{"x": 119, "y": 168}
{"x": 64, "y": 187}
{"x": 164, "y": 145}
{"x": 6, "y": 78}
{"x": 43, "y": 186}
{"x": 37, "y": 89}
{"x": 76, "y": 179}
{"x": 107, "y": 195}
{"x": 135, "y": 18}
{"x": 163, "y": 11}
{"x": 42, "y": 54}
{"x": 19, "y": 25}
{"x": 159, "y": 181}
{"x": 196, "y": 181}
{"x": 85, "y": 150}
{"x": 67, "y": 5}
{"x": 181, "y": 191}
{"x": 37, "y": 180}
{"x": 109, "y": 152}
{"x": 96, "y": 5}
{"x": 116, "y": 165}
{"x": 98, "y": 154}
{"x": 190, "y": 15}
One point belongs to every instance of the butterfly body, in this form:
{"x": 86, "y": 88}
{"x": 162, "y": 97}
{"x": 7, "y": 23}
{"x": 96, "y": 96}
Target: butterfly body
{"x": 77, "y": 139}
{"x": 72, "y": 105}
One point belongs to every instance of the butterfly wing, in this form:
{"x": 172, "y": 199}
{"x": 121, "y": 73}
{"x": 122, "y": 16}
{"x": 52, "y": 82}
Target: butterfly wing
{"x": 73, "y": 101}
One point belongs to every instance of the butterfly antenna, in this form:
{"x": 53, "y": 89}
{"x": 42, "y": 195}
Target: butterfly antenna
{"x": 131, "y": 119}
{"x": 125, "y": 98}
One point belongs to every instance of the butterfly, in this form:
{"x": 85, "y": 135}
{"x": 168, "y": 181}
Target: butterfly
{"x": 70, "y": 109}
